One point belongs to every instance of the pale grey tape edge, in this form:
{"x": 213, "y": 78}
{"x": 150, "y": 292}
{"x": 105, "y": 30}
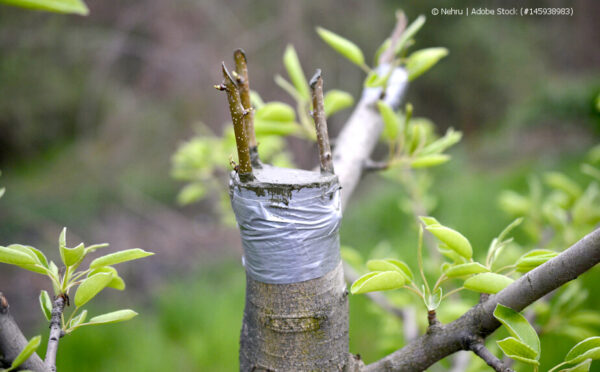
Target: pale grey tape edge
{"x": 293, "y": 242}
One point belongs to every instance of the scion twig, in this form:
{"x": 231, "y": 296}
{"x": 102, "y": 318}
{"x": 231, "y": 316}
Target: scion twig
{"x": 237, "y": 116}
{"x": 243, "y": 83}
{"x": 318, "y": 114}
{"x": 55, "y": 332}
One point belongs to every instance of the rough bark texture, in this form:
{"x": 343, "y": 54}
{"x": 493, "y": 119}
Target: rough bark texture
{"x": 55, "y": 332}
{"x": 12, "y": 340}
{"x": 296, "y": 327}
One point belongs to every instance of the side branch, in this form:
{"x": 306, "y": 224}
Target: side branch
{"x": 55, "y": 332}
{"x": 480, "y": 322}
{"x": 478, "y": 347}
{"x": 316, "y": 86}
{"x": 241, "y": 69}
{"x": 12, "y": 340}
{"x": 238, "y": 114}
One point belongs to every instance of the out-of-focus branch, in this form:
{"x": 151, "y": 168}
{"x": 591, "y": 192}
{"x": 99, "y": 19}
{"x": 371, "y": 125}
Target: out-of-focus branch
{"x": 55, "y": 332}
{"x": 480, "y": 322}
{"x": 12, "y": 340}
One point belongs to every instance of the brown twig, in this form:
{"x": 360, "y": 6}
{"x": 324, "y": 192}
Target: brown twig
{"x": 55, "y": 332}
{"x": 318, "y": 114}
{"x": 237, "y": 116}
{"x": 241, "y": 68}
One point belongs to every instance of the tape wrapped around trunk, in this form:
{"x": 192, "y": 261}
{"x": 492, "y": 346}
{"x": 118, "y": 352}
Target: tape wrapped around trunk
{"x": 288, "y": 237}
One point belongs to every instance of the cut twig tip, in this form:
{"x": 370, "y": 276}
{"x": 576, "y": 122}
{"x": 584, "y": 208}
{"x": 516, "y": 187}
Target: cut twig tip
{"x": 239, "y": 53}
{"x": 315, "y": 78}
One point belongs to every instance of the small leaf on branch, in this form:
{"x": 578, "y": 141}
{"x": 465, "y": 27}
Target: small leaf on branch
{"x": 118, "y": 257}
{"x": 518, "y": 326}
{"x": 391, "y": 121}
{"x": 586, "y": 349}
{"x": 78, "y": 320}
{"x": 453, "y": 239}
{"x": 422, "y": 60}
{"x": 336, "y": 100}
{"x": 27, "y": 351}
{"x": 46, "y": 304}
{"x": 114, "y": 317}
{"x": 487, "y": 283}
{"x": 466, "y": 269}
{"x": 343, "y": 46}
{"x": 15, "y": 257}
{"x": 517, "y": 350}
{"x": 91, "y": 287}
{"x": 378, "y": 281}
{"x": 391, "y": 264}
{"x": 429, "y": 160}
{"x": 295, "y": 72}
{"x": 533, "y": 259}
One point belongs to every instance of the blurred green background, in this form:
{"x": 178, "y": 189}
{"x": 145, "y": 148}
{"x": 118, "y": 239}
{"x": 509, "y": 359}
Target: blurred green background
{"x": 92, "y": 109}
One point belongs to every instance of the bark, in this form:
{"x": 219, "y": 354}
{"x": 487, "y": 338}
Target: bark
{"x": 55, "y": 332}
{"x": 12, "y": 340}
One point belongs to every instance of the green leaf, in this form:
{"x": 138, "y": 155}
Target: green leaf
{"x": 433, "y": 300}
{"x": 451, "y": 138}
{"x": 517, "y": 350}
{"x": 378, "y": 281}
{"x": 27, "y": 351}
{"x": 72, "y": 256}
{"x": 428, "y": 221}
{"x": 91, "y": 287}
{"x": 2, "y": 191}
{"x": 276, "y": 111}
{"x": 453, "y": 239}
{"x": 509, "y": 228}
{"x": 78, "y": 320}
{"x": 374, "y": 80}
{"x": 422, "y": 60}
{"x": 429, "y": 160}
{"x": 391, "y": 121}
{"x": 514, "y": 203}
{"x": 191, "y": 193}
{"x": 46, "y": 304}
{"x": 466, "y": 269}
{"x": 452, "y": 255}
{"x": 336, "y": 100}
{"x": 118, "y": 257}
{"x": 15, "y": 257}
{"x": 117, "y": 282}
{"x": 581, "y": 367}
{"x": 585, "y": 317}
{"x": 487, "y": 283}
{"x": 58, "y": 6}
{"x": 563, "y": 183}
{"x": 31, "y": 251}
{"x": 275, "y": 128}
{"x": 518, "y": 327}
{"x": 533, "y": 259}
{"x": 409, "y": 33}
{"x": 94, "y": 247}
{"x": 391, "y": 264}
{"x": 295, "y": 72}
{"x": 586, "y": 349}
{"x": 343, "y": 46}
{"x": 114, "y": 317}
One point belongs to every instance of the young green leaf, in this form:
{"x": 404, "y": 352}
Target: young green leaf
{"x": 72, "y": 256}
{"x": 469, "y": 268}
{"x": 36, "y": 254}
{"x": 117, "y": 282}
{"x": 429, "y": 160}
{"x": 27, "y": 351}
{"x": 46, "y": 304}
{"x": 514, "y": 203}
{"x": 391, "y": 264}
{"x": 429, "y": 221}
{"x": 391, "y": 121}
{"x": 409, "y": 33}
{"x": 343, "y": 46}
{"x": 78, "y": 320}
{"x": 114, "y": 317}
{"x": 487, "y": 283}
{"x": 586, "y": 349}
{"x": 453, "y": 239}
{"x": 276, "y": 111}
{"x": 191, "y": 193}
{"x": 58, "y": 6}
{"x": 518, "y": 327}
{"x": 561, "y": 182}
{"x": 336, "y": 100}
{"x": 433, "y": 300}
{"x": 450, "y": 138}
{"x": 422, "y": 60}
{"x": 451, "y": 254}
{"x": 91, "y": 287}
{"x": 375, "y": 80}
{"x": 118, "y": 257}
{"x": 94, "y": 247}
{"x": 533, "y": 259}
{"x": 15, "y": 257}
{"x": 275, "y": 128}
{"x": 295, "y": 72}
{"x": 581, "y": 367}
{"x": 518, "y": 350}
{"x": 378, "y": 281}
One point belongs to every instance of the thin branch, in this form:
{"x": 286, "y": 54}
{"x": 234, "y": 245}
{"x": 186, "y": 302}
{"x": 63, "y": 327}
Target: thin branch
{"x": 316, "y": 86}
{"x": 374, "y": 166}
{"x": 56, "y": 332}
{"x": 12, "y": 340}
{"x": 241, "y": 68}
{"x": 237, "y": 116}
{"x": 478, "y": 347}
{"x": 387, "y": 57}
{"x": 479, "y": 321}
